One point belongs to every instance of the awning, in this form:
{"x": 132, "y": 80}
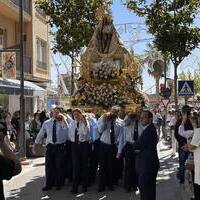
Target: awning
{"x": 12, "y": 87}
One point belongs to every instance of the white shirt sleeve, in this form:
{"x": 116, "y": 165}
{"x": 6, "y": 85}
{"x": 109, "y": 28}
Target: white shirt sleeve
{"x": 40, "y": 135}
{"x": 196, "y": 137}
{"x": 186, "y": 134}
{"x": 101, "y": 124}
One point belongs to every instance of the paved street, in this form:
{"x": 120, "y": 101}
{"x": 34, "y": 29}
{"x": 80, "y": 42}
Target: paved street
{"x": 27, "y": 186}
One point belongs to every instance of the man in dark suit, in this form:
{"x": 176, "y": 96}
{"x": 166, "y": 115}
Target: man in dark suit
{"x": 147, "y": 162}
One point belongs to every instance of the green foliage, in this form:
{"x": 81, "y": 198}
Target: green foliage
{"x": 72, "y": 22}
{"x": 171, "y": 24}
{"x": 189, "y": 76}
{"x": 155, "y": 62}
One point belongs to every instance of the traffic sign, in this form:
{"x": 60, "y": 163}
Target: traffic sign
{"x": 185, "y": 88}
{"x": 165, "y": 102}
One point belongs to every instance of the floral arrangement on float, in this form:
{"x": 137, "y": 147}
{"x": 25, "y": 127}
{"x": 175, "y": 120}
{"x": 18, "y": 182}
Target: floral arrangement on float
{"x": 105, "y": 70}
{"x": 109, "y": 74}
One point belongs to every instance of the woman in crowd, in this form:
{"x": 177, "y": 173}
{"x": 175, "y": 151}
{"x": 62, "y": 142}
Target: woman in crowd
{"x": 11, "y": 132}
{"x": 194, "y": 146}
{"x": 35, "y": 125}
{"x": 186, "y": 131}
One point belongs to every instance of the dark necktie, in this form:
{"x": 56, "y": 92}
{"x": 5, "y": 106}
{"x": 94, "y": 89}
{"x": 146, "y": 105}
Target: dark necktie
{"x": 76, "y": 133}
{"x": 54, "y": 137}
{"x": 135, "y": 135}
{"x": 112, "y": 132}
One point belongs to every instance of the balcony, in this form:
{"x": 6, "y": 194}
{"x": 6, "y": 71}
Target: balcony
{"x": 10, "y": 9}
{"x": 26, "y": 5}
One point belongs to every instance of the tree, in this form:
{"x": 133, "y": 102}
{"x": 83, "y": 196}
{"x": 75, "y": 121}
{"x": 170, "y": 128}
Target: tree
{"x": 189, "y": 76}
{"x": 172, "y": 25}
{"x": 72, "y": 23}
{"x": 156, "y": 64}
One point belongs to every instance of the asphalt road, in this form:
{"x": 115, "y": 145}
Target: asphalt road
{"x": 27, "y": 186}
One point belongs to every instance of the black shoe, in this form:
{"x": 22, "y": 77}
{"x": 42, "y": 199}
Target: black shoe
{"x": 74, "y": 191}
{"x": 58, "y": 188}
{"x": 46, "y": 188}
{"x": 84, "y": 189}
{"x": 101, "y": 189}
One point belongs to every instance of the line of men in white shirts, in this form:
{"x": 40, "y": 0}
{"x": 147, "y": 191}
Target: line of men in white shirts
{"x": 114, "y": 132}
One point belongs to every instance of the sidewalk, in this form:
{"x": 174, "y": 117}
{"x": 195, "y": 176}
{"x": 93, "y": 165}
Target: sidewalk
{"x": 34, "y": 162}
{"x": 168, "y": 171}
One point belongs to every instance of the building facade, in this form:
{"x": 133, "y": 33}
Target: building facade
{"x": 36, "y": 45}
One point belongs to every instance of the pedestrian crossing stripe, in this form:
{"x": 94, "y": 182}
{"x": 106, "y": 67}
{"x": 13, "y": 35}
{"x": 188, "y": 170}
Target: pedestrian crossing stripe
{"x": 186, "y": 90}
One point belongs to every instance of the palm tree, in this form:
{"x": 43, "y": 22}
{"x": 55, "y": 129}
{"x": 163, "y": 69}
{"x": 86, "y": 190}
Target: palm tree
{"x": 155, "y": 64}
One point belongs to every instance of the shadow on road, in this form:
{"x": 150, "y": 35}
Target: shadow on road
{"x": 32, "y": 191}
{"x": 167, "y": 187}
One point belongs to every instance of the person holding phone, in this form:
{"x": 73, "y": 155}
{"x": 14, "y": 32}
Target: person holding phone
{"x": 56, "y": 130}
{"x": 9, "y": 163}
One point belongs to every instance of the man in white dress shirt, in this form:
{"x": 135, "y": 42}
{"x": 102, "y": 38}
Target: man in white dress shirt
{"x": 109, "y": 137}
{"x": 129, "y": 136}
{"x": 56, "y": 129}
{"x": 79, "y": 136}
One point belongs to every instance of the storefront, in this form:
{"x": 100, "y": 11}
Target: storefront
{"x": 35, "y": 96}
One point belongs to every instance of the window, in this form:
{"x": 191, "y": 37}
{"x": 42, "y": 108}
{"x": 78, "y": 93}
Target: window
{"x": 41, "y": 54}
{"x": 26, "y": 5}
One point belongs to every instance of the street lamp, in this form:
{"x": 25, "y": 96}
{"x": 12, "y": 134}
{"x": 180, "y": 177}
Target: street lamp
{"x": 22, "y": 137}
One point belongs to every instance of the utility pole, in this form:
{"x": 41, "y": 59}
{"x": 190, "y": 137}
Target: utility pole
{"x": 72, "y": 75}
{"x": 22, "y": 137}
{"x": 165, "y": 71}
{"x": 165, "y": 108}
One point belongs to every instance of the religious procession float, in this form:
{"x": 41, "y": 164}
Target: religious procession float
{"x": 108, "y": 73}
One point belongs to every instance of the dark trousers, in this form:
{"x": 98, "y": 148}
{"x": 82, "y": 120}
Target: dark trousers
{"x": 147, "y": 185}
{"x": 68, "y": 161}
{"x": 118, "y": 169}
{"x": 183, "y": 155}
{"x": 196, "y": 191}
{"x": 54, "y": 165}
{"x": 93, "y": 160}
{"x": 130, "y": 175}
{"x": 107, "y": 165}
{"x": 80, "y": 164}
{"x": 196, "y": 188}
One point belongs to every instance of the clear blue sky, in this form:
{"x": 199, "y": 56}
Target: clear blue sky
{"x": 122, "y": 15}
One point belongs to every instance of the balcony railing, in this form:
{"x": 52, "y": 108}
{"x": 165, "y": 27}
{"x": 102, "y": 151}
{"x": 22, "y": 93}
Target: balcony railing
{"x": 26, "y": 5}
